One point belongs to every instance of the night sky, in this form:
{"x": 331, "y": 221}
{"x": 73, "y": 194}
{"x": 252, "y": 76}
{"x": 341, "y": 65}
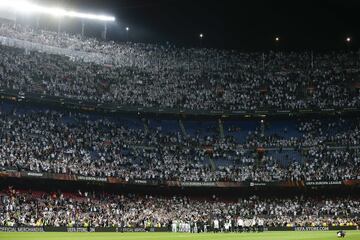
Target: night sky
{"x": 247, "y": 25}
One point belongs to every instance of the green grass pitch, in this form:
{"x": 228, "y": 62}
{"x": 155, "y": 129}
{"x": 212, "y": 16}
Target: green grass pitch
{"x": 330, "y": 235}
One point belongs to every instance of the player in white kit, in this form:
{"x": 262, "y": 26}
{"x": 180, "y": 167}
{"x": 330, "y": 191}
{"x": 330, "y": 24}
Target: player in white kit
{"x": 174, "y": 226}
{"x": 216, "y": 225}
{"x": 240, "y": 225}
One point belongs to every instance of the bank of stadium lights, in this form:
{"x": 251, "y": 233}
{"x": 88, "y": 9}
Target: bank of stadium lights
{"x": 348, "y": 39}
{"x": 24, "y": 6}
{"x": 277, "y": 39}
{"x": 201, "y": 36}
{"x": 127, "y": 33}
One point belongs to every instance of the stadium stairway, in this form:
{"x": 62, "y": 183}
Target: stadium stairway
{"x": 145, "y": 124}
{"x": 212, "y": 164}
{"x": 182, "y": 127}
{"x": 221, "y": 129}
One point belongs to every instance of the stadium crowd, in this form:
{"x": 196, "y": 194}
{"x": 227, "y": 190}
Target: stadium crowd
{"x": 165, "y": 76}
{"x": 43, "y": 140}
{"x": 27, "y": 208}
{"x": 145, "y": 75}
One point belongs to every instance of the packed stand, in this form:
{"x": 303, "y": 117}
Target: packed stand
{"x": 145, "y": 75}
{"x": 44, "y": 140}
{"x": 27, "y": 208}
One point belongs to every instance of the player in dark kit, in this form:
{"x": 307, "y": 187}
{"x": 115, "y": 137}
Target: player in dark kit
{"x": 341, "y": 234}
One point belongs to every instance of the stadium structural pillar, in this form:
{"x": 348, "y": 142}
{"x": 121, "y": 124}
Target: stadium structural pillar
{"x": 105, "y": 31}
{"x": 15, "y": 18}
{"x": 59, "y": 26}
{"x": 82, "y": 28}
{"x": 37, "y": 22}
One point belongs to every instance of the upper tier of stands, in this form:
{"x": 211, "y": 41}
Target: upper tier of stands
{"x": 154, "y": 76}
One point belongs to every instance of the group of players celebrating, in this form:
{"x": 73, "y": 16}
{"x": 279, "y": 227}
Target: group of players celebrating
{"x": 216, "y": 225}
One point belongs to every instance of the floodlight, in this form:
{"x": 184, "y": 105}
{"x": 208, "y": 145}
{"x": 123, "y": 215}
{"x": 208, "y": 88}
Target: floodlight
{"x": 28, "y": 7}
{"x": 57, "y": 12}
{"x": 348, "y": 39}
